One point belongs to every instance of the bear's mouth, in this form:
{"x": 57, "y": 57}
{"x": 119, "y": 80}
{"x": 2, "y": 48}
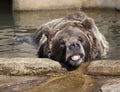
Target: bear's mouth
{"x": 76, "y": 57}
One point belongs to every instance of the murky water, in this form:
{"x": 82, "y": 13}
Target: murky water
{"x": 19, "y": 23}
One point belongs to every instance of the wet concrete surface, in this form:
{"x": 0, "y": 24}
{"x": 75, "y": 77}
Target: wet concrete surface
{"x": 72, "y": 81}
{"x": 19, "y": 83}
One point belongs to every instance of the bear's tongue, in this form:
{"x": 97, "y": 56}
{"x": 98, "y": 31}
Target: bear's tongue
{"x": 75, "y": 57}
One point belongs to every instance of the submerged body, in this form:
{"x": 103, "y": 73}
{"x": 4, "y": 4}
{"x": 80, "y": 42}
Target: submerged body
{"x": 70, "y": 40}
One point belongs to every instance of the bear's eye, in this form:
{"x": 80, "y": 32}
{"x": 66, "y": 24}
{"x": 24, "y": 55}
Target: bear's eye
{"x": 80, "y": 39}
{"x": 62, "y": 44}
{"x": 61, "y": 41}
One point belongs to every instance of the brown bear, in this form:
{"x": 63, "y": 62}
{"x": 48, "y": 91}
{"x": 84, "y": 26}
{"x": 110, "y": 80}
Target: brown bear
{"x": 70, "y": 40}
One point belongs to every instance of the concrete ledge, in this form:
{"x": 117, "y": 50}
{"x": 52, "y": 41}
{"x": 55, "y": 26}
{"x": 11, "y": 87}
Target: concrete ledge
{"x": 112, "y": 85}
{"x": 45, "y": 4}
{"x": 64, "y": 4}
{"x": 104, "y": 67}
{"x": 29, "y": 66}
{"x": 37, "y": 66}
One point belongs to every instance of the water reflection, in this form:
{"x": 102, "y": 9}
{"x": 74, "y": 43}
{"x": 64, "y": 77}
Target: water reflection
{"x": 27, "y": 22}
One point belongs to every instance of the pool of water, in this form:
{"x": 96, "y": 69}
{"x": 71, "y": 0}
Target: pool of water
{"x": 20, "y": 23}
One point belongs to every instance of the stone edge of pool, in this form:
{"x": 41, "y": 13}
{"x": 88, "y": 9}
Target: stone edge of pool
{"x": 37, "y": 66}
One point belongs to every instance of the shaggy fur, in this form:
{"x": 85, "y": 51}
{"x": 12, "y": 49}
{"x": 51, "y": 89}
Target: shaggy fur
{"x": 70, "y": 40}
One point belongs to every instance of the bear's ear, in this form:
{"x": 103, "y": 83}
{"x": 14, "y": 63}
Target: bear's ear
{"x": 43, "y": 39}
{"x": 87, "y": 23}
{"x": 43, "y": 45}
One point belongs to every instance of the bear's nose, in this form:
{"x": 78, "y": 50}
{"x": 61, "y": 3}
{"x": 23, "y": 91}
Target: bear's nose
{"x": 74, "y": 45}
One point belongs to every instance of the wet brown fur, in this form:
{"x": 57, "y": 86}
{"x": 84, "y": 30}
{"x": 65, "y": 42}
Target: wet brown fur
{"x": 80, "y": 24}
